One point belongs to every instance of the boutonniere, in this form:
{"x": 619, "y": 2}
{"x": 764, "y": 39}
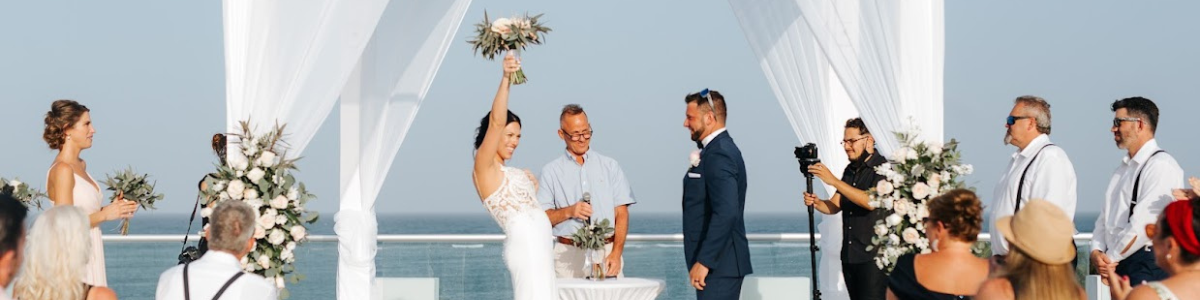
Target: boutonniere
{"x": 694, "y": 158}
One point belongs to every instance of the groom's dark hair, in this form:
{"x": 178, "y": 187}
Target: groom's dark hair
{"x": 702, "y": 103}
{"x": 484, "y": 124}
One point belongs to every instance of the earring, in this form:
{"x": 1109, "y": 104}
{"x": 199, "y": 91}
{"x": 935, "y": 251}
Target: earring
{"x": 68, "y": 138}
{"x": 1168, "y": 256}
{"x": 934, "y": 245}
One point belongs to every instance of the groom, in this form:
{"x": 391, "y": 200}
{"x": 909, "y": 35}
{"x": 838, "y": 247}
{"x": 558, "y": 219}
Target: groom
{"x": 714, "y": 197}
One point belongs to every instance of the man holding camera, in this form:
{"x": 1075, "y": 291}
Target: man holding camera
{"x": 863, "y": 279}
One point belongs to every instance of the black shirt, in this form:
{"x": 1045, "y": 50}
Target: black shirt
{"x": 858, "y": 222}
{"x": 903, "y": 283}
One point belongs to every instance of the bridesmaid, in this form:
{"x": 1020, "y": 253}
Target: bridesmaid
{"x": 69, "y": 130}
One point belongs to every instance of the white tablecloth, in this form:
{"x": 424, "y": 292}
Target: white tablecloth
{"x": 615, "y": 289}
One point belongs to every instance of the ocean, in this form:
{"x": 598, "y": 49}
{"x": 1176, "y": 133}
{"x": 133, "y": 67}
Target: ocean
{"x": 465, "y": 270}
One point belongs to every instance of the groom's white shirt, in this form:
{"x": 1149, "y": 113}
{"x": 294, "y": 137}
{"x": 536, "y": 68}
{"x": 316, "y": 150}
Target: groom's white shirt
{"x": 208, "y": 274}
{"x": 711, "y": 136}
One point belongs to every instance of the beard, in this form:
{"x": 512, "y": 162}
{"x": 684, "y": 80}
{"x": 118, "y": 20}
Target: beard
{"x": 1120, "y": 141}
{"x": 1008, "y": 139}
{"x": 696, "y": 132}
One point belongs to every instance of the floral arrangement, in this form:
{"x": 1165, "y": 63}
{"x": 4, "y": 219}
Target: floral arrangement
{"x": 592, "y": 236}
{"x": 28, "y": 196}
{"x": 508, "y": 34}
{"x": 256, "y": 173}
{"x": 133, "y": 187}
{"x": 917, "y": 172}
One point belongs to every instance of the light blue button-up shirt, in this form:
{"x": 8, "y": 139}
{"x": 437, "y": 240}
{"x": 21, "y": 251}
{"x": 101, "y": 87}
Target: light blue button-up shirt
{"x": 563, "y": 182}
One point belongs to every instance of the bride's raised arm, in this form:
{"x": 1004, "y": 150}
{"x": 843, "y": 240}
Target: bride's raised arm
{"x": 486, "y": 165}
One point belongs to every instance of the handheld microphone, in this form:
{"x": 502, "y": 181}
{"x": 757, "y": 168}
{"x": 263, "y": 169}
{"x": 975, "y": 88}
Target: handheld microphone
{"x": 587, "y": 198}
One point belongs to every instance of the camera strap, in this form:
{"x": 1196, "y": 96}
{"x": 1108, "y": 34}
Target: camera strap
{"x": 190, "y": 220}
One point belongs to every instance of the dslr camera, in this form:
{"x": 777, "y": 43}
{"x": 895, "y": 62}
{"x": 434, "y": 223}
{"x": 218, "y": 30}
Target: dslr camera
{"x": 807, "y": 156}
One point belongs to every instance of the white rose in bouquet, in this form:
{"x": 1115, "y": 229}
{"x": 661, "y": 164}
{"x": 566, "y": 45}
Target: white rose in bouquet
{"x": 922, "y": 211}
{"x": 936, "y": 148}
{"x": 286, "y": 255}
{"x": 279, "y": 281}
{"x": 884, "y": 187}
{"x": 281, "y": 219}
{"x": 207, "y": 211}
{"x": 935, "y": 182}
{"x": 255, "y": 175}
{"x": 503, "y": 26}
{"x": 267, "y": 220}
{"x": 264, "y": 261}
{"x": 918, "y": 170}
{"x": 911, "y": 235}
{"x": 280, "y": 202}
{"x": 276, "y": 237}
{"x": 255, "y": 203}
{"x": 293, "y": 193}
{"x": 237, "y": 161}
{"x": 267, "y": 159}
{"x": 889, "y": 203}
{"x": 259, "y": 232}
{"x": 893, "y": 239}
{"x": 235, "y": 190}
{"x": 920, "y": 191}
{"x": 298, "y": 233}
{"x": 880, "y": 229}
{"x": 250, "y": 194}
{"x": 892, "y": 220}
{"x": 901, "y": 207}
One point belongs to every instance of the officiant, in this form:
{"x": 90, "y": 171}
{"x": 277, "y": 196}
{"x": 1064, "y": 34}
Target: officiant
{"x": 864, "y": 280}
{"x": 564, "y": 182}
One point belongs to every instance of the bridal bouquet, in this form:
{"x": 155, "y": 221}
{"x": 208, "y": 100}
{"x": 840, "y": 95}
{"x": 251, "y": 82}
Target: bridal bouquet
{"x": 508, "y": 34}
{"x": 256, "y": 173}
{"x": 28, "y": 196}
{"x": 917, "y": 172}
{"x": 133, "y": 187}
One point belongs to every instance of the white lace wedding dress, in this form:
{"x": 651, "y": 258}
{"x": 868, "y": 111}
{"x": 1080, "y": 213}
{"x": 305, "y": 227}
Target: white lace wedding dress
{"x": 527, "y": 249}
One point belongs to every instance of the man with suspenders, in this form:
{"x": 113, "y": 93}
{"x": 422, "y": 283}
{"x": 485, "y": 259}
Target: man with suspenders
{"x": 1138, "y": 192}
{"x": 1038, "y": 170}
{"x": 218, "y": 274}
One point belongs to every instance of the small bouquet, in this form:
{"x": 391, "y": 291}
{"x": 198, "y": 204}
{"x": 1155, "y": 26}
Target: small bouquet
{"x": 133, "y": 187}
{"x": 28, "y": 196}
{"x": 591, "y": 237}
{"x": 508, "y": 34}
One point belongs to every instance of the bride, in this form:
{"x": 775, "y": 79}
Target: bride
{"x": 508, "y": 193}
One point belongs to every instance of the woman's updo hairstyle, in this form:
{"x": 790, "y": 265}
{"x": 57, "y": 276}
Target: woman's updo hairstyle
{"x": 960, "y": 211}
{"x": 62, "y": 115}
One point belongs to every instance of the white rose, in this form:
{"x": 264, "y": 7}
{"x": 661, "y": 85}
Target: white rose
{"x": 237, "y": 161}
{"x": 286, "y": 254}
{"x": 893, "y": 239}
{"x": 279, "y": 281}
{"x": 259, "y": 232}
{"x": 264, "y": 261}
{"x": 250, "y": 194}
{"x": 281, "y": 219}
{"x": 936, "y": 148}
{"x": 918, "y": 170}
{"x": 255, "y": 203}
{"x": 207, "y": 211}
{"x": 694, "y": 158}
{"x": 293, "y": 193}
{"x": 935, "y": 182}
{"x": 880, "y": 230}
{"x": 292, "y": 245}
{"x": 911, "y": 235}
{"x": 298, "y": 233}
{"x": 280, "y": 202}
{"x": 245, "y": 261}
{"x": 267, "y": 220}
{"x": 920, "y": 191}
{"x": 889, "y": 203}
{"x": 267, "y": 159}
{"x": 503, "y": 26}
{"x": 255, "y": 175}
{"x": 236, "y": 189}
{"x": 922, "y": 211}
{"x": 901, "y": 207}
{"x": 276, "y": 237}
{"x": 911, "y": 154}
{"x": 219, "y": 186}
{"x": 893, "y": 219}
{"x": 884, "y": 187}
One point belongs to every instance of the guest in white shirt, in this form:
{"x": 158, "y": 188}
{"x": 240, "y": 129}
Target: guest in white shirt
{"x": 12, "y": 239}
{"x": 1038, "y": 170}
{"x": 218, "y": 274}
{"x": 1137, "y": 193}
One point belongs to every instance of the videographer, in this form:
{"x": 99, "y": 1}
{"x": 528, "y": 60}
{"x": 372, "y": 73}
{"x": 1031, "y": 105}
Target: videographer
{"x": 863, "y": 279}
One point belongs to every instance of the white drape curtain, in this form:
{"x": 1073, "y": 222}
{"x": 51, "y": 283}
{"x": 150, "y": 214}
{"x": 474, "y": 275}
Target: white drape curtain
{"x": 287, "y": 60}
{"x": 378, "y": 104}
{"x": 884, "y": 57}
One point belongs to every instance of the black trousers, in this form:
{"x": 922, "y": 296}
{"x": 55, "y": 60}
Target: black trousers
{"x": 1140, "y": 267}
{"x": 865, "y": 281}
{"x": 721, "y": 288}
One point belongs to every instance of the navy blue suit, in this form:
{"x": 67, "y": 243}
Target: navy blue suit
{"x": 714, "y": 230}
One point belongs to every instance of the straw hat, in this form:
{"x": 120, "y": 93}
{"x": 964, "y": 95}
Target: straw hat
{"x": 1042, "y": 230}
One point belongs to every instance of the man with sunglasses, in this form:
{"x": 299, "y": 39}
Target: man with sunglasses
{"x": 1138, "y": 192}
{"x": 864, "y": 280}
{"x": 565, "y": 183}
{"x": 1038, "y": 170}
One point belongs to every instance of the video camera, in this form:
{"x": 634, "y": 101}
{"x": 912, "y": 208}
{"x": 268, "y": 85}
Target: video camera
{"x": 807, "y": 156}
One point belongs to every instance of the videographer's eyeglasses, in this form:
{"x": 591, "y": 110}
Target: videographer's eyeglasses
{"x": 851, "y": 141}
{"x": 1013, "y": 119}
{"x": 705, "y": 94}
{"x": 586, "y": 135}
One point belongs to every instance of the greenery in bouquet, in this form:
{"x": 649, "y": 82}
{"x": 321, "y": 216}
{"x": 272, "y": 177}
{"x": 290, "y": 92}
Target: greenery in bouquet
{"x": 256, "y": 172}
{"x": 508, "y": 34}
{"x": 592, "y": 236}
{"x": 28, "y": 196}
{"x": 133, "y": 187}
{"x": 917, "y": 172}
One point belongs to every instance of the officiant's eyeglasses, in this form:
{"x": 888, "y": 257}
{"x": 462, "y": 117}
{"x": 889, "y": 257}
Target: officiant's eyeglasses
{"x": 579, "y": 136}
{"x": 1013, "y": 119}
{"x": 705, "y": 94}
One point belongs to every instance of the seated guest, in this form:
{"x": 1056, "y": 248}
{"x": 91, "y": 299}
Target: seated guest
{"x": 1177, "y": 251}
{"x": 951, "y": 271}
{"x": 1038, "y": 265}
{"x": 56, "y": 258}
{"x": 219, "y": 272}
{"x": 12, "y": 237}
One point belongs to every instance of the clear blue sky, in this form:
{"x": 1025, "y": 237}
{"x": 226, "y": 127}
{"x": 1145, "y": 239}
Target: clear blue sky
{"x": 152, "y": 73}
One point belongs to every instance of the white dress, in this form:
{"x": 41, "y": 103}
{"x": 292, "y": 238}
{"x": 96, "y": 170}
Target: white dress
{"x": 527, "y": 248}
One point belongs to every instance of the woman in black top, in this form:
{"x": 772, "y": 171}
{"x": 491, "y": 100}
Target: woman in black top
{"x": 951, "y": 271}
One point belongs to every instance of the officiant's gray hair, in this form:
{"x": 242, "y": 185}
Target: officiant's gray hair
{"x": 1039, "y": 109}
{"x": 571, "y": 110}
{"x": 232, "y": 225}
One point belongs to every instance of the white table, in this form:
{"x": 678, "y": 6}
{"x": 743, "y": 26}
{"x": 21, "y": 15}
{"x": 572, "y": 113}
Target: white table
{"x": 613, "y": 288}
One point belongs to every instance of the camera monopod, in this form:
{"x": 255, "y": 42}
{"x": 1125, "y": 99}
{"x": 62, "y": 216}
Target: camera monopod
{"x": 807, "y": 156}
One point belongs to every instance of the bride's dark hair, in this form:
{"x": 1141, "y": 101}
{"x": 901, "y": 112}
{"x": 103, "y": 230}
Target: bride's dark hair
{"x": 483, "y": 126}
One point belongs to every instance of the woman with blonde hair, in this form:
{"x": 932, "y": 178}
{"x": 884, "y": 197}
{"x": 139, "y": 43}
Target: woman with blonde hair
{"x": 69, "y": 130}
{"x": 1039, "y": 265}
{"x": 56, "y": 254}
